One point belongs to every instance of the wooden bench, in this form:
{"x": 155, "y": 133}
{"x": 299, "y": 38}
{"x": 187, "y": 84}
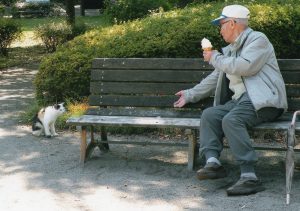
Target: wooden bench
{"x": 139, "y": 92}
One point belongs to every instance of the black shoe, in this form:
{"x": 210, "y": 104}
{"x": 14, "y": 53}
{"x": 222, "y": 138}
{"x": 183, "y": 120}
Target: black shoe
{"x": 211, "y": 171}
{"x": 245, "y": 186}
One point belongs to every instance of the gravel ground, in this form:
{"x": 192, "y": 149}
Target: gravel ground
{"x": 44, "y": 174}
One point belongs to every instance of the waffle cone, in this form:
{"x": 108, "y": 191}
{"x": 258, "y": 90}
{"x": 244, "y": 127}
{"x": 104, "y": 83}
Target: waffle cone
{"x": 207, "y": 49}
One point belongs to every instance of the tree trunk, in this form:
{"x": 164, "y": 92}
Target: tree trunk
{"x": 82, "y": 9}
{"x": 70, "y": 10}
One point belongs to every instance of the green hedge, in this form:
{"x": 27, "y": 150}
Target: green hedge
{"x": 9, "y": 31}
{"x": 176, "y": 33}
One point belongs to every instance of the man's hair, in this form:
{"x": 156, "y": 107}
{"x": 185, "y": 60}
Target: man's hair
{"x": 243, "y": 21}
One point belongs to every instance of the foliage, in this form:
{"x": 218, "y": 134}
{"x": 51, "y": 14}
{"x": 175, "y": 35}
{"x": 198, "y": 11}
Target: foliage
{"x": 2, "y": 10}
{"x": 176, "y": 33}
{"x": 31, "y": 8}
{"x": 9, "y": 31}
{"x": 75, "y": 108}
{"x": 124, "y": 10}
{"x": 54, "y": 34}
{"x": 30, "y": 24}
{"x": 8, "y": 2}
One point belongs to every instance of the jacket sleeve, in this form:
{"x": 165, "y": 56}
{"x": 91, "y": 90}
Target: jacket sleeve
{"x": 253, "y": 57}
{"x": 202, "y": 90}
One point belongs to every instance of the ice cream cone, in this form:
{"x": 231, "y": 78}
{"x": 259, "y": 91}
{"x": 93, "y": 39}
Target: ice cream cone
{"x": 206, "y": 49}
{"x": 206, "y": 45}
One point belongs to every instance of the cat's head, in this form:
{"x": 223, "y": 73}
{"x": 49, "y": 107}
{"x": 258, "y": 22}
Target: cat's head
{"x": 60, "y": 108}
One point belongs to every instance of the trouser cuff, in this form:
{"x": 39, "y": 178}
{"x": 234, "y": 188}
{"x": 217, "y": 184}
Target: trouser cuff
{"x": 247, "y": 168}
{"x": 211, "y": 153}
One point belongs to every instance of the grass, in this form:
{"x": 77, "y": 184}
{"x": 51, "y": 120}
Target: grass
{"x": 27, "y": 52}
{"x": 73, "y": 109}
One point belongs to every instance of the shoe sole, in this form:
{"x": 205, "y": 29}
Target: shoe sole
{"x": 256, "y": 190}
{"x": 211, "y": 176}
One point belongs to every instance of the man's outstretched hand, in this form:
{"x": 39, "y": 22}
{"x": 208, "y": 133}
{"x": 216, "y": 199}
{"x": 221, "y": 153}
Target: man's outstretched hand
{"x": 181, "y": 101}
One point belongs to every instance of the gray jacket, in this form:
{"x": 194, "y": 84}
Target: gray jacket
{"x": 253, "y": 58}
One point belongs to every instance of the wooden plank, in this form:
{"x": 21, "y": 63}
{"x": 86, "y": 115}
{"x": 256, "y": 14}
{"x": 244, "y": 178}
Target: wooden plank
{"x": 149, "y": 75}
{"x": 291, "y": 77}
{"x": 150, "y": 63}
{"x": 293, "y": 90}
{"x": 144, "y": 143}
{"x": 148, "y": 112}
{"x": 158, "y": 75}
{"x": 158, "y": 88}
{"x": 142, "y": 101}
{"x": 294, "y": 104}
{"x": 289, "y": 64}
{"x": 173, "y": 63}
{"x": 153, "y": 122}
{"x": 189, "y": 123}
{"x": 137, "y": 88}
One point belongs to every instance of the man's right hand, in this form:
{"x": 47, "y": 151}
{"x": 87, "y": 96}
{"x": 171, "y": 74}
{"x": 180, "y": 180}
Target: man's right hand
{"x": 181, "y": 101}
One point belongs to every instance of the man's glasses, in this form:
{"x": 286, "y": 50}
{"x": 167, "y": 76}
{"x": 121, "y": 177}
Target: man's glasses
{"x": 222, "y": 24}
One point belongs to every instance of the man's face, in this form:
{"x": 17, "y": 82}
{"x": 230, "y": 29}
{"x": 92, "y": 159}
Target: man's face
{"x": 226, "y": 29}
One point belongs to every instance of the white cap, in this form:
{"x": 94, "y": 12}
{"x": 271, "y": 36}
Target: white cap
{"x": 233, "y": 11}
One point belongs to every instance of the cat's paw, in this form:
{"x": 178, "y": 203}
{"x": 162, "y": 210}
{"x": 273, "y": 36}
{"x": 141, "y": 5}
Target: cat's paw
{"x": 55, "y": 134}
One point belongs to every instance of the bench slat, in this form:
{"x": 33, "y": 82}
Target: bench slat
{"x": 159, "y": 101}
{"x": 142, "y": 75}
{"x": 137, "y": 88}
{"x": 291, "y": 77}
{"x": 192, "y": 123}
{"x": 157, "y": 88}
{"x": 289, "y": 64}
{"x": 293, "y": 90}
{"x": 173, "y": 63}
{"x": 150, "y": 63}
{"x": 149, "y": 112}
{"x": 135, "y": 121}
{"x": 142, "y": 101}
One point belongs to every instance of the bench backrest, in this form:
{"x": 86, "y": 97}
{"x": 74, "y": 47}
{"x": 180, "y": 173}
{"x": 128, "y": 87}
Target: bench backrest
{"x": 146, "y": 86}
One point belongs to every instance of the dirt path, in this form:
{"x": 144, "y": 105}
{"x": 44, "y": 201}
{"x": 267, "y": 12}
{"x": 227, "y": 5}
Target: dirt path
{"x": 44, "y": 174}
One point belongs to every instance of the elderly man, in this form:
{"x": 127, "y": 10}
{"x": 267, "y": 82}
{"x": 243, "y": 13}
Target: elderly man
{"x": 249, "y": 89}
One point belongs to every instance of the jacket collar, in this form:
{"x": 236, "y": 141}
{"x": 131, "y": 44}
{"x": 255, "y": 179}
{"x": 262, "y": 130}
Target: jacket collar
{"x": 238, "y": 43}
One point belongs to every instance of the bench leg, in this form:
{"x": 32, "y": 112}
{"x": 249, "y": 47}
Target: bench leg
{"x": 192, "y": 148}
{"x": 91, "y": 146}
{"x": 104, "y": 147}
{"x": 83, "y": 145}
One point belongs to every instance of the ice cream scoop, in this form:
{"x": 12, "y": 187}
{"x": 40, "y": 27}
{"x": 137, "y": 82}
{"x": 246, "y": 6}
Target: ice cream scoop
{"x": 206, "y": 44}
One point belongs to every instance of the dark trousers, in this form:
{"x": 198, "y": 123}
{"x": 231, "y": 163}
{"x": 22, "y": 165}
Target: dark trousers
{"x": 232, "y": 121}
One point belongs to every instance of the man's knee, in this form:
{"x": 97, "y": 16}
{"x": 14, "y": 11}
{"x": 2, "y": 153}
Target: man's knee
{"x": 230, "y": 121}
{"x": 208, "y": 113}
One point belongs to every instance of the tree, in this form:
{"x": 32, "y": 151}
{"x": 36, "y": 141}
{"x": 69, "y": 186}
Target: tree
{"x": 70, "y": 10}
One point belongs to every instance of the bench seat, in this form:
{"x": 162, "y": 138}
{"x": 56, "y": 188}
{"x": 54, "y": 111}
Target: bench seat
{"x": 161, "y": 122}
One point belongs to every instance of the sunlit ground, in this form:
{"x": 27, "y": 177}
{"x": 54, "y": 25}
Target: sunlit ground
{"x": 27, "y": 39}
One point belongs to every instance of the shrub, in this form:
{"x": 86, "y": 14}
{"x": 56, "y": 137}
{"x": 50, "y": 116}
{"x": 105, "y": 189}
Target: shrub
{"x": 2, "y": 10}
{"x": 8, "y": 2}
{"x": 124, "y": 10}
{"x": 9, "y": 31}
{"x": 177, "y": 33}
{"x": 54, "y": 34}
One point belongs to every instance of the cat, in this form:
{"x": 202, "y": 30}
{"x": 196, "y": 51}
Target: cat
{"x": 43, "y": 123}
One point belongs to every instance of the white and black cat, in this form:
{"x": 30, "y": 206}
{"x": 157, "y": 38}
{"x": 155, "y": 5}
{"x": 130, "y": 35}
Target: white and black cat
{"x": 44, "y": 121}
